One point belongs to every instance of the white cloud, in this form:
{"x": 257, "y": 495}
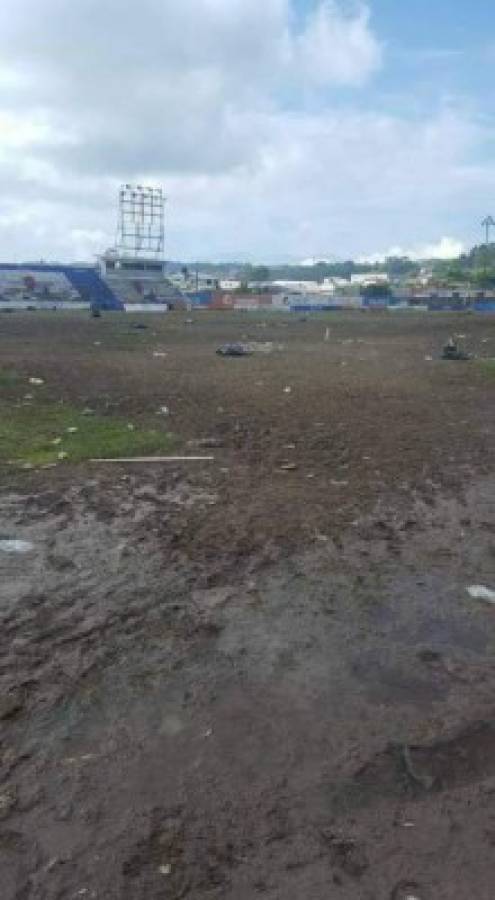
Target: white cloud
{"x": 231, "y": 105}
{"x": 445, "y": 248}
{"x": 338, "y": 47}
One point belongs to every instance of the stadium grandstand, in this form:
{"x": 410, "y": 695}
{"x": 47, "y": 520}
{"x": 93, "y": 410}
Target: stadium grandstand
{"x": 131, "y": 275}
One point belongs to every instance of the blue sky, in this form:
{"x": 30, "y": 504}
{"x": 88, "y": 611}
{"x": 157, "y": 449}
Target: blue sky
{"x": 280, "y": 130}
{"x": 445, "y": 47}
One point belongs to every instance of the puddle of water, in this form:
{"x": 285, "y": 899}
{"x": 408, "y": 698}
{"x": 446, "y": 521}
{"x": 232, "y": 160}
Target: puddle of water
{"x": 15, "y": 546}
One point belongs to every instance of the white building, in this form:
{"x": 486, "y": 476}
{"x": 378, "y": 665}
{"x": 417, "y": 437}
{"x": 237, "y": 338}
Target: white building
{"x": 336, "y": 282}
{"x": 297, "y": 286}
{"x": 230, "y": 284}
{"x": 327, "y": 286}
{"x": 364, "y": 279}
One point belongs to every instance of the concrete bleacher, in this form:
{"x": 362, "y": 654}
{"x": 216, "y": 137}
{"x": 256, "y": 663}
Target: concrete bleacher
{"x": 24, "y": 283}
{"x": 41, "y": 281}
{"x": 47, "y": 283}
{"x": 132, "y": 290}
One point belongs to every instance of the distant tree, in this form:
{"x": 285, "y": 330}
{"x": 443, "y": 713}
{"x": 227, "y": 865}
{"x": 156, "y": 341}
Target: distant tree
{"x": 376, "y": 291}
{"x": 456, "y": 273}
{"x": 484, "y": 278}
{"x": 396, "y": 266}
{"x": 259, "y": 273}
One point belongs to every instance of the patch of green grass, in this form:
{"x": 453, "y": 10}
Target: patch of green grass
{"x": 487, "y": 366}
{"x": 9, "y": 377}
{"x": 37, "y": 434}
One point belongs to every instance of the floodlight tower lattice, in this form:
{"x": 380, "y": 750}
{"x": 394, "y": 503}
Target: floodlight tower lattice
{"x": 141, "y": 225}
{"x": 487, "y": 224}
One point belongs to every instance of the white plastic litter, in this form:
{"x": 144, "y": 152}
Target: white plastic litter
{"x": 72, "y": 430}
{"x": 480, "y": 592}
{"x": 36, "y": 381}
{"x": 163, "y": 411}
{"x": 14, "y": 546}
{"x": 287, "y": 390}
{"x": 154, "y": 459}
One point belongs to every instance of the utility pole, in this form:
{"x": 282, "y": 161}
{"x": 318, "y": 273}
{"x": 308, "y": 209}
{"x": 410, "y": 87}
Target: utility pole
{"x": 488, "y": 223}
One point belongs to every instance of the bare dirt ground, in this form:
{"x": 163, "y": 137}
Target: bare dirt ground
{"x": 261, "y": 676}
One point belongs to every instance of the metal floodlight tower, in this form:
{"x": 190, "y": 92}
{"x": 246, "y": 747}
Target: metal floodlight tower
{"x": 141, "y": 228}
{"x": 488, "y": 223}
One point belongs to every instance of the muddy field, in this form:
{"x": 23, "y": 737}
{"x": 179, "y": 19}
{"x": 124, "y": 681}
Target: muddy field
{"x": 261, "y": 675}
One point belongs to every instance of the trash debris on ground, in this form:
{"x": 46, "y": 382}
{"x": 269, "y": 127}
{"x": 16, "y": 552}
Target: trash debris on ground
{"x": 72, "y": 429}
{"x": 264, "y": 346}
{"x": 189, "y": 322}
{"x": 15, "y": 546}
{"x": 97, "y": 343}
{"x": 234, "y": 350}
{"x": 165, "y": 870}
{"x": 288, "y": 389}
{"x": 63, "y": 454}
{"x": 288, "y": 467}
{"x": 131, "y": 427}
{"x": 56, "y": 441}
{"x": 159, "y": 354}
{"x": 28, "y": 396}
{"x": 88, "y": 411}
{"x": 453, "y": 352}
{"x": 428, "y": 358}
{"x": 327, "y": 334}
{"x": 33, "y": 380}
{"x": 339, "y": 483}
{"x": 480, "y": 592}
{"x": 154, "y": 459}
{"x": 163, "y": 411}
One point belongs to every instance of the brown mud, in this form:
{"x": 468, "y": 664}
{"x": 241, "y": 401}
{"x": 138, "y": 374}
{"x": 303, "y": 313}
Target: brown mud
{"x": 238, "y": 682}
